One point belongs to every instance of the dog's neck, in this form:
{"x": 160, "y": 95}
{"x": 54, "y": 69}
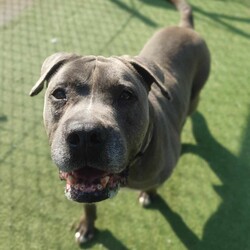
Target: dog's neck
{"x": 144, "y": 146}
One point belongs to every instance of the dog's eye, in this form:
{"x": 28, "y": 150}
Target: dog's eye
{"x": 126, "y": 95}
{"x": 59, "y": 94}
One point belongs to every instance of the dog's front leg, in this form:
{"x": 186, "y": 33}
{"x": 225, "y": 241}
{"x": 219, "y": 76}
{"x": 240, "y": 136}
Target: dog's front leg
{"x": 86, "y": 227}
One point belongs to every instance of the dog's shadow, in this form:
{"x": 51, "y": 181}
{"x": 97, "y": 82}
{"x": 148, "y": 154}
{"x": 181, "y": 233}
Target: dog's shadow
{"x": 225, "y": 20}
{"x": 228, "y": 227}
{"x": 135, "y": 12}
{"x": 3, "y": 118}
{"x": 106, "y": 239}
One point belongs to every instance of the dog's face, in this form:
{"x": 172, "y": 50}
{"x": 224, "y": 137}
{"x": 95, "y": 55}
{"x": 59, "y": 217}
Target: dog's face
{"x": 96, "y": 115}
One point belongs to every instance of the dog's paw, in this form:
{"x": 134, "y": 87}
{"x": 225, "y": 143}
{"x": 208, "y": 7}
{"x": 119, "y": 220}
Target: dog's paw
{"x": 83, "y": 237}
{"x": 144, "y": 199}
{"x": 84, "y": 232}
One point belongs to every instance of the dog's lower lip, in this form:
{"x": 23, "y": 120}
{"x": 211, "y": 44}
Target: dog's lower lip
{"x": 91, "y": 185}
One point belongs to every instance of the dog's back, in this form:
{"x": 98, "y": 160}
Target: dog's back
{"x": 184, "y": 60}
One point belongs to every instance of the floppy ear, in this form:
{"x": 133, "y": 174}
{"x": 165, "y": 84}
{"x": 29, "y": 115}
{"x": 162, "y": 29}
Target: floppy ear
{"x": 49, "y": 67}
{"x": 150, "y": 72}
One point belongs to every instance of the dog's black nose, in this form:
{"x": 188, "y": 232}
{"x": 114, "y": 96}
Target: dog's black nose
{"x": 90, "y": 136}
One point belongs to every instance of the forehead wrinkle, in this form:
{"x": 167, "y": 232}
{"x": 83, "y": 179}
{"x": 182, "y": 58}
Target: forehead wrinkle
{"x": 93, "y": 80}
{"x": 101, "y": 75}
{"x": 105, "y": 74}
{"x": 93, "y": 77}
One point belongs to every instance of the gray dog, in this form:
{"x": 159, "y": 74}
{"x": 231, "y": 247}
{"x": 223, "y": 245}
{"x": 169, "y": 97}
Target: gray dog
{"x": 117, "y": 121}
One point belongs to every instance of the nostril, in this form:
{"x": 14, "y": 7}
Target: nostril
{"x": 74, "y": 140}
{"x": 95, "y": 138}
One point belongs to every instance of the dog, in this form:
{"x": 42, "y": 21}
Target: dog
{"x": 116, "y": 122}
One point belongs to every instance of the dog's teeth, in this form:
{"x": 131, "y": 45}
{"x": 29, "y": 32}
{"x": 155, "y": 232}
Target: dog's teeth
{"x": 104, "y": 181}
{"x": 67, "y": 187}
{"x": 70, "y": 179}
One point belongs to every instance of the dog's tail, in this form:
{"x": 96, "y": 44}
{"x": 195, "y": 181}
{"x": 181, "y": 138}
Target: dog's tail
{"x": 186, "y": 13}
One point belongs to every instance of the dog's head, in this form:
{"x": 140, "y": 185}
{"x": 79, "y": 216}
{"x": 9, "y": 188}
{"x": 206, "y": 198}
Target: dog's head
{"x": 96, "y": 115}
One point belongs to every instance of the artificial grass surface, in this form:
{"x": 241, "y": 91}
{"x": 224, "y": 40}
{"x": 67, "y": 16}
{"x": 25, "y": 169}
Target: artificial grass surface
{"x": 206, "y": 202}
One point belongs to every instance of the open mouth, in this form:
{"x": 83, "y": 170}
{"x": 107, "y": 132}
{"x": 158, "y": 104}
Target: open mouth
{"x": 89, "y": 185}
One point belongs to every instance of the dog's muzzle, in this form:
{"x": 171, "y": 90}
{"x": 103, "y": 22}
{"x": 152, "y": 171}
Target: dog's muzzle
{"x": 87, "y": 170}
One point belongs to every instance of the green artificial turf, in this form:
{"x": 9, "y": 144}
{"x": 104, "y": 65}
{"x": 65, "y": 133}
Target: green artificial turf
{"x": 206, "y": 202}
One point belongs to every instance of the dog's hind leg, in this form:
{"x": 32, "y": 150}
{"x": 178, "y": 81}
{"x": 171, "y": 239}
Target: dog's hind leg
{"x": 86, "y": 226}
